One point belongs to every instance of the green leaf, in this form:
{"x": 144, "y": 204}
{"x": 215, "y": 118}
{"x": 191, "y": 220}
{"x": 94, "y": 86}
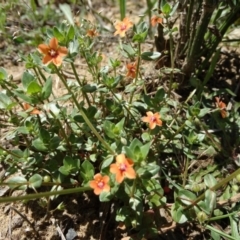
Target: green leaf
{"x": 136, "y": 204}
{"x": 23, "y": 96}
{"x": 210, "y": 180}
{"x": 17, "y": 182}
{"x": 58, "y": 34}
{"x": 160, "y": 94}
{"x": 35, "y": 181}
{"x": 148, "y": 171}
{"x": 210, "y": 200}
{"x": 65, "y": 170}
{"x": 39, "y": 145}
{"x": 71, "y": 33}
{"x": 44, "y": 135}
{"x": 47, "y": 88}
{"x": 107, "y": 161}
{"x": 166, "y": 9}
{"x": 87, "y": 170}
{"x": 105, "y": 196}
{"x": 34, "y": 88}
{"x": 89, "y": 88}
{"x": 27, "y": 78}
{"x": 140, "y": 37}
{"x": 186, "y": 196}
{"x": 5, "y": 101}
{"x": 150, "y": 56}
{"x": 72, "y": 163}
{"x": 178, "y": 213}
{"x": 108, "y": 129}
{"x": 65, "y": 8}
{"x": 3, "y": 74}
{"x": 146, "y": 136}
{"x": 144, "y": 150}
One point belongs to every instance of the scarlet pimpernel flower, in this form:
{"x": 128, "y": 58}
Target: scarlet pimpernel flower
{"x": 155, "y": 20}
{"x": 123, "y": 168}
{"x": 153, "y": 119}
{"x": 27, "y": 106}
{"x": 100, "y": 184}
{"x": 92, "y": 33}
{"x": 131, "y": 70}
{"x": 222, "y": 106}
{"x": 52, "y": 52}
{"x": 123, "y": 26}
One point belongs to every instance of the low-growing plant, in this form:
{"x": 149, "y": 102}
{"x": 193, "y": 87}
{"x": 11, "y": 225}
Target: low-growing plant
{"x": 114, "y": 137}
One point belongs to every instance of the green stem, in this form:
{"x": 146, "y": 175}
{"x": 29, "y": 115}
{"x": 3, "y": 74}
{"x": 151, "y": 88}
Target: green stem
{"x": 44, "y": 194}
{"x": 105, "y": 144}
{"x": 185, "y": 172}
{"x": 137, "y": 70}
{"x": 9, "y": 152}
{"x": 224, "y": 182}
{"x": 79, "y": 82}
{"x": 129, "y": 112}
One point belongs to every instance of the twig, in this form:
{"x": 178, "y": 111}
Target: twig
{"x": 25, "y": 218}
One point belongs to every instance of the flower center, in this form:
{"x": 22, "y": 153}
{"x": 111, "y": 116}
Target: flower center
{"x": 153, "y": 119}
{"x": 123, "y": 27}
{"x": 122, "y": 167}
{"x": 52, "y": 53}
{"x": 100, "y": 184}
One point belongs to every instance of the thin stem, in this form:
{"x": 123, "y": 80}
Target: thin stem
{"x": 105, "y": 144}
{"x": 79, "y": 82}
{"x": 224, "y": 182}
{"x": 9, "y": 152}
{"x": 137, "y": 70}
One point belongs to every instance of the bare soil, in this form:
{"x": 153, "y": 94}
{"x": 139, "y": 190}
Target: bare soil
{"x": 85, "y": 217}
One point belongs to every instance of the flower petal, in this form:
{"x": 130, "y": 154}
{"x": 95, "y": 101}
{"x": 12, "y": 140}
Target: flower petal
{"x": 152, "y": 125}
{"x": 106, "y": 188}
{"x": 120, "y": 158}
{"x": 57, "y": 60}
{"x": 119, "y": 177}
{"x": 149, "y": 114}
{"x": 130, "y": 173}
{"x": 47, "y": 59}
{"x": 93, "y": 184}
{"x": 62, "y": 51}
{"x": 43, "y": 48}
{"x": 97, "y": 190}
{"x": 145, "y": 119}
{"x": 53, "y": 44}
{"x": 105, "y": 179}
{"x": 114, "y": 168}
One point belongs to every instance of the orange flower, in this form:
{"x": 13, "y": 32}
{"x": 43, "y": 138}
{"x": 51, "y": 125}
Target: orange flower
{"x": 222, "y": 106}
{"x": 53, "y": 53}
{"x": 92, "y": 33}
{"x": 100, "y": 184}
{"x": 131, "y": 67}
{"x": 35, "y": 111}
{"x": 155, "y": 20}
{"x": 123, "y": 26}
{"x": 123, "y": 168}
{"x": 152, "y": 119}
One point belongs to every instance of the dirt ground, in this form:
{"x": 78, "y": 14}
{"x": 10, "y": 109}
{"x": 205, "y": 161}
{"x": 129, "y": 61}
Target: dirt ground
{"x": 84, "y": 217}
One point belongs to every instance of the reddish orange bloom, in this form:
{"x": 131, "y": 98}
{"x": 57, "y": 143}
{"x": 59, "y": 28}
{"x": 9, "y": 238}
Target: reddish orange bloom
{"x": 132, "y": 70}
{"x": 92, "y": 33}
{"x": 123, "y": 168}
{"x": 152, "y": 119}
{"x": 155, "y": 20}
{"x": 222, "y": 106}
{"x": 52, "y": 52}
{"x": 35, "y": 111}
{"x": 123, "y": 26}
{"x": 100, "y": 184}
